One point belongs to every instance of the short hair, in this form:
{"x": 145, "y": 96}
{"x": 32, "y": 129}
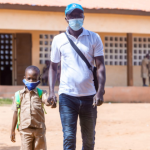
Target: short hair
{"x": 33, "y": 68}
{"x": 147, "y": 55}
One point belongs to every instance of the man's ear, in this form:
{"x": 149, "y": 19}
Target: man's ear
{"x": 24, "y": 77}
{"x": 66, "y": 19}
{"x": 83, "y": 17}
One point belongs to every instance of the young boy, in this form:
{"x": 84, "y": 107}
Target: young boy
{"x": 29, "y": 111}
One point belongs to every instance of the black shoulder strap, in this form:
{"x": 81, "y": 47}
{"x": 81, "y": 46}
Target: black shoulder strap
{"x": 79, "y": 53}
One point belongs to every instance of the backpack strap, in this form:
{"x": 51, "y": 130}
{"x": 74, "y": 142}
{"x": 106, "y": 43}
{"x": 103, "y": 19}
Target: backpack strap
{"x": 40, "y": 93}
{"x": 18, "y": 102}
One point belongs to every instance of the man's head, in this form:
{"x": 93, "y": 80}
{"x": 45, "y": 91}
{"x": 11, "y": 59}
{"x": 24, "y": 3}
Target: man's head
{"x": 74, "y": 16}
{"x": 147, "y": 56}
{"x": 71, "y": 7}
{"x": 32, "y": 74}
{"x": 47, "y": 62}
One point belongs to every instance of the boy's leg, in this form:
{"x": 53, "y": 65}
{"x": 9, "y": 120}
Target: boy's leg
{"x": 88, "y": 116}
{"x": 68, "y": 108}
{"x": 40, "y": 139}
{"x": 27, "y": 139}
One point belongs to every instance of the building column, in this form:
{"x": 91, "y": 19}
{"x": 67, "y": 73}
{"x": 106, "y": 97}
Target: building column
{"x": 129, "y": 60}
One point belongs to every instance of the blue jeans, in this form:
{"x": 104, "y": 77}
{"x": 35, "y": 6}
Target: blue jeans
{"x": 70, "y": 108}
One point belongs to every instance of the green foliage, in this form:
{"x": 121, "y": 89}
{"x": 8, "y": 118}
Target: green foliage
{"x": 5, "y": 101}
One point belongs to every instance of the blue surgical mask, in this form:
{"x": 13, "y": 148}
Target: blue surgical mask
{"x": 76, "y": 24}
{"x": 31, "y": 85}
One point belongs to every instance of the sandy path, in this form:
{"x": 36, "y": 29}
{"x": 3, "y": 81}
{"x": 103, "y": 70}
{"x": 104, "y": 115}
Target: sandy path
{"x": 119, "y": 127}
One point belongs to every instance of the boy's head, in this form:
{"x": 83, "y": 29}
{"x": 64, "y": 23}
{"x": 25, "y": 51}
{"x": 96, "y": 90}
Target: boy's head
{"x": 32, "y": 74}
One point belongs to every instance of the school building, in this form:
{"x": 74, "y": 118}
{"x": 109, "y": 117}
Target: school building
{"x": 27, "y": 29}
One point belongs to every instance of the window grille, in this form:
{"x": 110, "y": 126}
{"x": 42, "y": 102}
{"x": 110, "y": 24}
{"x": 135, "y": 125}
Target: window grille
{"x": 5, "y": 52}
{"x": 141, "y": 47}
{"x": 115, "y": 50}
{"x": 45, "y": 42}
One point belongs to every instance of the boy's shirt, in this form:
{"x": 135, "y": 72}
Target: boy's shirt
{"x": 31, "y": 111}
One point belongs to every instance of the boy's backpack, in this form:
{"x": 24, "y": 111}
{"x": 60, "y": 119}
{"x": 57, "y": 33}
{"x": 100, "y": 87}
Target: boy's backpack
{"x": 18, "y": 102}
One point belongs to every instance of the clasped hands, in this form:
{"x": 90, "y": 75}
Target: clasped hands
{"x": 52, "y": 100}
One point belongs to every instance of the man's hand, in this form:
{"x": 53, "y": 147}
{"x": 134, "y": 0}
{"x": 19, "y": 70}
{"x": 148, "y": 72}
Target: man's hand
{"x": 12, "y": 137}
{"x": 52, "y": 100}
{"x": 98, "y": 99}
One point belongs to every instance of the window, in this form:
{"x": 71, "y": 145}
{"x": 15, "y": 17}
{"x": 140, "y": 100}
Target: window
{"x": 141, "y": 47}
{"x": 115, "y": 50}
{"x": 5, "y": 52}
{"x": 45, "y": 42}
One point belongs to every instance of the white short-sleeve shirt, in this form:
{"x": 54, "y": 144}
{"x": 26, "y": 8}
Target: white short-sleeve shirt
{"x": 76, "y": 79}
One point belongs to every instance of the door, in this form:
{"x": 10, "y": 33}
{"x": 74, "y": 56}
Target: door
{"x": 23, "y": 55}
{"x": 5, "y": 59}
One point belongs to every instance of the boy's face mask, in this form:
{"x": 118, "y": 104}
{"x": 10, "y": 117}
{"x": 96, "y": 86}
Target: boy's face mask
{"x": 31, "y": 85}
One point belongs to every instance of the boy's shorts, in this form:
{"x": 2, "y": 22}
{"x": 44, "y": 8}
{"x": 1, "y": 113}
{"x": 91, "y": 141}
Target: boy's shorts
{"x": 33, "y": 139}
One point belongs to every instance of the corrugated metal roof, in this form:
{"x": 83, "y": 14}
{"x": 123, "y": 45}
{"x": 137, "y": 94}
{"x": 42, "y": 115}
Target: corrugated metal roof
{"x": 143, "y": 5}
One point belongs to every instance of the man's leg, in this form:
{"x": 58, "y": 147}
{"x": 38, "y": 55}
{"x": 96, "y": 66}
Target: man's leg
{"x": 144, "y": 81}
{"x": 27, "y": 139}
{"x": 88, "y": 115}
{"x": 68, "y": 108}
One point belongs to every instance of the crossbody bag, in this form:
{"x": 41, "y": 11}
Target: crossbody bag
{"x": 94, "y": 70}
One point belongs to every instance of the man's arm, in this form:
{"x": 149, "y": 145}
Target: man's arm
{"x": 52, "y": 76}
{"x": 14, "y": 122}
{"x": 101, "y": 77}
{"x": 149, "y": 71}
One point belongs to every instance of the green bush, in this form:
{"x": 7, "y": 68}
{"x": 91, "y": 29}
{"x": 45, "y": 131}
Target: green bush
{"x": 5, "y": 101}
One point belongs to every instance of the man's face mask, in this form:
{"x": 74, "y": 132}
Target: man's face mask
{"x": 76, "y": 24}
{"x": 31, "y": 85}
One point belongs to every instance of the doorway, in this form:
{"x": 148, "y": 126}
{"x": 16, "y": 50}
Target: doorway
{"x": 5, "y": 59}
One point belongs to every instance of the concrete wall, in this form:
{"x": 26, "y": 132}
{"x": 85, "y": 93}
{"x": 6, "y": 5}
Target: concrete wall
{"x": 35, "y": 47}
{"x": 137, "y": 69}
{"x": 36, "y": 22}
{"x": 116, "y": 75}
{"x": 112, "y": 94}
{"x": 54, "y": 21}
{"x": 35, "y": 43}
{"x": 127, "y": 94}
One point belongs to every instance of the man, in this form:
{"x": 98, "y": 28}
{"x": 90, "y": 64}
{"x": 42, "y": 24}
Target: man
{"x": 144, "y": 69}
{"x": 45, "y": 73}
{"x": 76, "y": 91}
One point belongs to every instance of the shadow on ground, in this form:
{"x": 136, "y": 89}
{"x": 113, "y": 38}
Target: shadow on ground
{"x": 9, "y": 147}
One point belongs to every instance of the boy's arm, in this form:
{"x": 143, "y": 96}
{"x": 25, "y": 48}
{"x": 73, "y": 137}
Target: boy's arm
{"x": 14, "y": 122}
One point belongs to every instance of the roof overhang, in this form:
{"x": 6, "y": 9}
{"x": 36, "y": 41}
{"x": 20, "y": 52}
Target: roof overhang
{"x": 62, "y": 9}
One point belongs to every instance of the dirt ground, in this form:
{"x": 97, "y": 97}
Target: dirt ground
{"x": 119, "y": 127}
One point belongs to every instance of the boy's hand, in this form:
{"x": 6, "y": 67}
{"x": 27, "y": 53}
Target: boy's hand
{"x": 52, "y": 100}
{"x": 46, "y": 103}
{"x": 12, "y": 137}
